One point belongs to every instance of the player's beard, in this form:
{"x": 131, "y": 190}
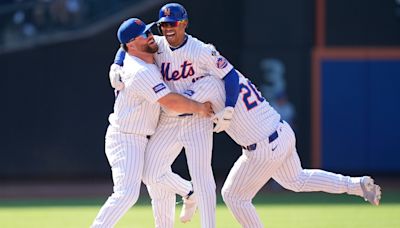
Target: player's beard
{"x": 151, "y": 48}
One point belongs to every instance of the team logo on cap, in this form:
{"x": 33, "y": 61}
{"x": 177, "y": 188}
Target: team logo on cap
{"x": 167, "y": 12}
{"x": 221, "y": 63}
{"x": 139, "y": 22}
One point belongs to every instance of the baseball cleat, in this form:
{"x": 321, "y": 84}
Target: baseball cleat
{"x": 371, "y": 191}
{"x": 188, "y": 209}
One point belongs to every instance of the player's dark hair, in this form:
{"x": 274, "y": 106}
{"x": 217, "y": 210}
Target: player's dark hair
{"x": 124, "y": 47}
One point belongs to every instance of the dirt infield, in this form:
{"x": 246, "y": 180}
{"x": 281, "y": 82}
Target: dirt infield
{"x": 101, "y": 189}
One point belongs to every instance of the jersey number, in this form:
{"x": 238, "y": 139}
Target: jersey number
{"x": 249, "y": 91}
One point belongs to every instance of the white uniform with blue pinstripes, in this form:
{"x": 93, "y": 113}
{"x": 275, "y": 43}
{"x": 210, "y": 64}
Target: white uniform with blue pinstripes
{"x": 136, "y": 113}
{"x": 180, "y": 68}
{"x": 254, "y": 120}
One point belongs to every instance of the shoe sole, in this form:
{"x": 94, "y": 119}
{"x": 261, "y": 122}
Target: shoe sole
{"x": 368, "y": 185}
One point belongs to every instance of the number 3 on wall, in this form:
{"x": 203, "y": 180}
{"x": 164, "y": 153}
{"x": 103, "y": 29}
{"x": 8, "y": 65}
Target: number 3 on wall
{"x": 248, "y": 91}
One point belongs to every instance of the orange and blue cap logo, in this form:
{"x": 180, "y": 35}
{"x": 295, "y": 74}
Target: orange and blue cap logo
{"x": 138, "y": 22}
{"x": 167, "y": 12}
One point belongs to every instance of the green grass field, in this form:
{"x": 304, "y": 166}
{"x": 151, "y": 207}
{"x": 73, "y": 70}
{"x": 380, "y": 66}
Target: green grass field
{"x": 283, "y": 210}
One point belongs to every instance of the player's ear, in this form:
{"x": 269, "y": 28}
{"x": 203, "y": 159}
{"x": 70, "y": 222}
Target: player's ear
{"x": 131, "y": 45}
{"x": 159, "y": 29}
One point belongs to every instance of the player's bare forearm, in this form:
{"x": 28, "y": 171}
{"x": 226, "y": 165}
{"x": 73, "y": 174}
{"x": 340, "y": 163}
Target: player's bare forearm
{"x": 181, "y": 104}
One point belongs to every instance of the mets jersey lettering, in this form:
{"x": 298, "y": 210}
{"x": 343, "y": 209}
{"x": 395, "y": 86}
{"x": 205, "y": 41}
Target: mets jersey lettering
{"x": 186, "y": 70}
{"x": 181, "y": 67}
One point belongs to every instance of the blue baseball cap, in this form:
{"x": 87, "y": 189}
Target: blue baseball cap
{"x": 132, "y": 28}
{"x": 172, "y": 12}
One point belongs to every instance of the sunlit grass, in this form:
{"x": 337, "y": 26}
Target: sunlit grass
{"x": 276, "y": 210}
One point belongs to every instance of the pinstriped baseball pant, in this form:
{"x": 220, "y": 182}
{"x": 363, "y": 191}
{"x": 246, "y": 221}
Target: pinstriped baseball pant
{"x": 125, "y": 154}
{"x": 163, "y": 205}
{"x": 278, "y": 160}
{"x": 195, "y": 135}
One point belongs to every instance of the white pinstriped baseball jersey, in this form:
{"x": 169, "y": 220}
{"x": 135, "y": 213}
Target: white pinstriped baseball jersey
{"x": 251, "y": 110}
{"x": 183, "y": 66}
{"x": 136, "y": 109}
{"x": 136, "y": 114}
{"x": 180, "y": 68}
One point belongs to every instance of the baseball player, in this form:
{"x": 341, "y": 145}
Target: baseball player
{"x": 269, "y": 151}
{"x": 183, "y": 59}
{"x": 135, "y": 117}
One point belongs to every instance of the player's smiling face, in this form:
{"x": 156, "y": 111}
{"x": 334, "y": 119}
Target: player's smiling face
{"x": 151, "y": 44}
{"x": 146, "y": 43}
{"x": 174, "y": 32}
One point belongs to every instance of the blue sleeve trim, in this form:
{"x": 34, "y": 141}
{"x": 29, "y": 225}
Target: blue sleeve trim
{"x": 231, "y": 88}
{"x": 119, "y": 57}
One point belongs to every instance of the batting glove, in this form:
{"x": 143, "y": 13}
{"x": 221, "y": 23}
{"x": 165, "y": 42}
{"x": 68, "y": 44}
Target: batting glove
{"x": 115, "y": 77}
{"x": 223, "y": 119}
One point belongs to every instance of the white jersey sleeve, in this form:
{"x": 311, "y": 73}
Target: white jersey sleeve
{"x": 253, "y": 118}
{"x": 215, "y": 63}
{"x": 136, "y": 110}
{"x": 149, "y": 84}
{"x": 208, "y": 89}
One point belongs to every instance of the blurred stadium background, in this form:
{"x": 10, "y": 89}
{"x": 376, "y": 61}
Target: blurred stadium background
{"x": 331, "y": 67}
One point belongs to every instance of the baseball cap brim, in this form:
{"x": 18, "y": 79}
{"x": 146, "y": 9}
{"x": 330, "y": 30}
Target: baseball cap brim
{"x": 148, "y": 26}
{"x": 166, "y": 19}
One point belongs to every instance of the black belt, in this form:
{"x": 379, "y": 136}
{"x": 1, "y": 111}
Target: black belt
{"x": 251, "y": 147}
{"x": 185, "y": 114}
{"x": 271, "y": 138}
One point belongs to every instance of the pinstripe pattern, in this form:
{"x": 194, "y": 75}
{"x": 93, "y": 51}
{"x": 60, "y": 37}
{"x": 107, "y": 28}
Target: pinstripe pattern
{"x": 125, "y": 153}
{"x": 277, "y": 159}
{"x": 135, "y": 116}
{"x": 136, "y": 109}
{"x": 250, "y": 172}
{"x": 180, "y": 68}
{"x": 163, "y": 204}
{"x": 195, "y": 134}
{"x": 245, "y": 125}
{"x": 201, "y": 57}
{"x": 293, "y": 177}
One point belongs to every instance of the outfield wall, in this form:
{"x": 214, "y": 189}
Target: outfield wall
{"x": 356, "y": 105}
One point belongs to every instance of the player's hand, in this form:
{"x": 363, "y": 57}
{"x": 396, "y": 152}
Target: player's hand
{"x": 115, "y": 77}
{"x": 223, "y": 119}
{"x": 206, "y": 110}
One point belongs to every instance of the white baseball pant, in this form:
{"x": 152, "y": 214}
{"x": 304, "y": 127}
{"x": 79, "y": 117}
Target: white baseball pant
{"x": 125, "y": 154}
{"x": 195, "y": 135}
{"x": 163, "y": 205}
{"x": 277, "y": 159}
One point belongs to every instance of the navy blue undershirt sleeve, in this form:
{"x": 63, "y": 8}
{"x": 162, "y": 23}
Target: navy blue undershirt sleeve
{"x": 231, "y": 81}
{"x": 119, "y": 57}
